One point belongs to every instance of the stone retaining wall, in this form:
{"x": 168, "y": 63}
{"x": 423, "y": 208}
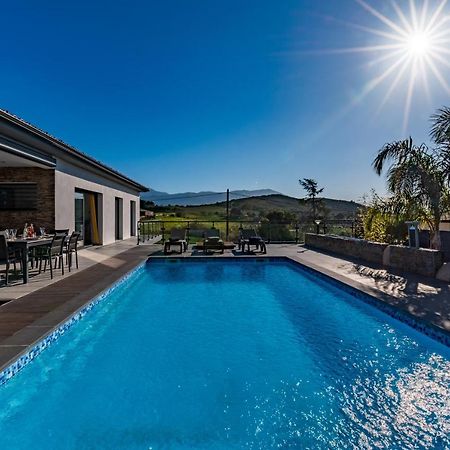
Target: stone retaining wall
{"x": 355, "y": 248}
{"x": 421, "y": 261}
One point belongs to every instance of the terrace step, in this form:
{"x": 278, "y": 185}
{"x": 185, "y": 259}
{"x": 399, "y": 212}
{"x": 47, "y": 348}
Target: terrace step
{"x": 443, "y": 273}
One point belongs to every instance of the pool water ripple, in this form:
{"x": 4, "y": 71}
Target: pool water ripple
{"x": 227, "y": 356}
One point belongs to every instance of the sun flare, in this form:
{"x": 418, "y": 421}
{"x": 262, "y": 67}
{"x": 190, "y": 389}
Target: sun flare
{"x": 412, "y": 49}
{"x": 418, "y": 44}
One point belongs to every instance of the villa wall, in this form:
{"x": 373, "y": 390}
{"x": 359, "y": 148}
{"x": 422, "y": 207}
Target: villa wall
{"x": 68, "y": 178}
{"x": 44, "y": 215}
{"x": 421, "y": 261}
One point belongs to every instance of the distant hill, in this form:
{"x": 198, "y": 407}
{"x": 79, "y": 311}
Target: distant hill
{"x": 259, "y": 206}
{"x": 201, "y": 198}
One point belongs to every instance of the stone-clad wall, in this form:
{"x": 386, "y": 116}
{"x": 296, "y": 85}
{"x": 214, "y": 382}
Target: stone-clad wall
{"x": 422, "y": 261}
{"x": 44, "y": 215}
{"x": 355, "y": 248}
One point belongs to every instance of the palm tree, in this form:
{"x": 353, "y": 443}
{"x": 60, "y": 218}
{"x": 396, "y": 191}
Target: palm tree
{"x": 418, "y": 183}
{"x": 440, "y": 133}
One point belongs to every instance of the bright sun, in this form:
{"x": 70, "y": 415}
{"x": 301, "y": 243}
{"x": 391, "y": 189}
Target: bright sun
{"x": 413, "y": 46}
{"x": 418, "y": 44}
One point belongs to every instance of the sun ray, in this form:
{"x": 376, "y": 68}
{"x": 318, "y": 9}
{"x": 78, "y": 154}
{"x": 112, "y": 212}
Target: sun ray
{"x": 435, "y": 15}
{"x": 423, "y": 15}
{"x": 424, "y": 76}
{"x": 445, "y": 32}
{"x": 340, "y": 51}
{"x": 402, "y": 17}
{"x": 385, "y": 57}
{"x": 357, "y": 26}
{"x": 415, "y": 20}
{"x": 409, "y": 95}
{"x": 381, "y": 17}
{"x": 410, "y": 51}
{"x": 442, "y": 60}
{"x": 438, "y": 74}
{"x": 424, "y": 37}
{"x": 374, "y": 82}
{"x": 393, "y": 86}
{"x": 443, "y": 50}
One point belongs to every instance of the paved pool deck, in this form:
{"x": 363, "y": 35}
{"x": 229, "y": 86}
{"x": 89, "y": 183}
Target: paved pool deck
{"x": 29, "y": 312}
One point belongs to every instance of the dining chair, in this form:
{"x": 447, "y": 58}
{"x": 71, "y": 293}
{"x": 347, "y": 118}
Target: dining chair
{"x": 53, "y": 252}
{"x": 62, "y": 231}
{"x": 72, "y": 248}
{"x": 8, "y": 256}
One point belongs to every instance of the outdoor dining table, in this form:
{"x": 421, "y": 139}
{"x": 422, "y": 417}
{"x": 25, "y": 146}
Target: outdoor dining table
{"x": 24, "y": 245}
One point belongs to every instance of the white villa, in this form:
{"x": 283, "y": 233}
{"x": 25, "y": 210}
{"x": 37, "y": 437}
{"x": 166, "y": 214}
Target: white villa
{"x": 47, "y": 182}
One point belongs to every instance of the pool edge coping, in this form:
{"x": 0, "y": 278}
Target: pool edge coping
{"x": 29, "y": 352}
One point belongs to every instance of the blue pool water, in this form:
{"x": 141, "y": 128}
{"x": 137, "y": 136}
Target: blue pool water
{"x": 230, "y": 355}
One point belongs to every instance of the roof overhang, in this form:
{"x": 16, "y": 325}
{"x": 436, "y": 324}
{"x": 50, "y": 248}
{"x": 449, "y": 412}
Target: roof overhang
{"x": 77, "y": 154}
{"x": 20, "y": 152}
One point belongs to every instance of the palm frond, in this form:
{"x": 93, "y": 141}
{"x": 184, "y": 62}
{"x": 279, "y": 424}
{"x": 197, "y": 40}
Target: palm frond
{"x": 395, "y": 151}
{"x": 440, "y": 130}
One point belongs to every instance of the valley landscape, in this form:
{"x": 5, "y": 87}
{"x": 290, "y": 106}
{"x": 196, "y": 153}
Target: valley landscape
{"x": 253, "y": 207}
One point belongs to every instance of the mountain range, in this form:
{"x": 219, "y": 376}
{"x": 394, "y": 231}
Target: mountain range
{"x": 260, "y": 206}
{"x": 201, "y": 198}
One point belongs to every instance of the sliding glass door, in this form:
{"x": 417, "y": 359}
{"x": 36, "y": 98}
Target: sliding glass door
{"x": 132, "y": 218}
{"x": 118, "y": 218}
{"x": 86, "y": 217}
{"x": 79, "y": 216}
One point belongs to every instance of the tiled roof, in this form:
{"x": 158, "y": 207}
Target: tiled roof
{"x": 72, "y": 150}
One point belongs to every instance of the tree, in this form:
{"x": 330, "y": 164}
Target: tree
{"x": 417, "y": 182}
{"x": 312, "y": 192}
{"x": 440, "y": 133}
{"x": 277, "y": 225}
{"x": 379, "y": 223}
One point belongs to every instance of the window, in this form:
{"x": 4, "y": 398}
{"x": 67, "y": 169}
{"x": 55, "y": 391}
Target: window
{"x": 18, "y": 196}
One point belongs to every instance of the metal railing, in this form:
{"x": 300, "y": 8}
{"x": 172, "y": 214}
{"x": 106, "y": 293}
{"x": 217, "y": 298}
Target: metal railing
{"x": 271, "y": 232}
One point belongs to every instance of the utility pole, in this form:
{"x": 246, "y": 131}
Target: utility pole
{"x": 228, "y": 214}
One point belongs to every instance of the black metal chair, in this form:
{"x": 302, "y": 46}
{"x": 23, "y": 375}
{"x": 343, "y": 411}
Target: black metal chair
{"x": 72, "y": 248}
{"x": 250, "y": 237}
{"x": 62, "y": 231}
{"x": 8, "y": 256}
{"x": 54, "y": 251}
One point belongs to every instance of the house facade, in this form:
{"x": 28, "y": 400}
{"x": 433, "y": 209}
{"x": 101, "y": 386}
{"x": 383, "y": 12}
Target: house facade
{"x": 51, "y": 184}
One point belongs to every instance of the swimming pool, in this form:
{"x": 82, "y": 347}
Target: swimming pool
{"x": 231, "y": 354}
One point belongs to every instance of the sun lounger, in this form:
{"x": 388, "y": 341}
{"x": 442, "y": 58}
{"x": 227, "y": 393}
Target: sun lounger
{"x": 212, "y": 241}
{"x": 250, "y": 237}
{"x": 177, "y": 237}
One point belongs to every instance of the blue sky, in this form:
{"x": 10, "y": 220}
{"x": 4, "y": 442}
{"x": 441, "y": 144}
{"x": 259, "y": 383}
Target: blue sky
{"x": 208, "y": 95}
